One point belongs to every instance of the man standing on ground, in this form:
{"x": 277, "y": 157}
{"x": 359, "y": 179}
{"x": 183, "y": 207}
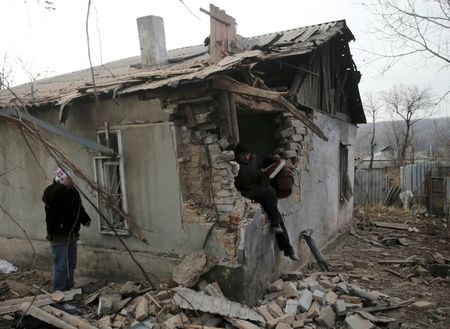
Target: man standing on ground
{"x": 64, "y": 214}
{"x": 254, "y": 185}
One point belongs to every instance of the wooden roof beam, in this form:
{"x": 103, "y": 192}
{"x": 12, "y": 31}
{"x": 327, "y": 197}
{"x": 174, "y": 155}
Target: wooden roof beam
{"x": 228, "y": 84}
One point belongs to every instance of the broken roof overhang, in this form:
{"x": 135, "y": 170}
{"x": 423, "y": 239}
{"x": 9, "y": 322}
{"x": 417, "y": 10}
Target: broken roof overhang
{"x": 189, "y": 63}
{"x": 123, "y": 77}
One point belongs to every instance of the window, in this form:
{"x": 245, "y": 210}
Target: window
{"x": 109, "y": 174}
{"x": 345, "y": 187}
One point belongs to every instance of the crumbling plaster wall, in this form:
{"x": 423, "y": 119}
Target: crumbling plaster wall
{"x": 202, "y": 207}
{"x": 152, "y": 186}
{"x": 319, "y": 206}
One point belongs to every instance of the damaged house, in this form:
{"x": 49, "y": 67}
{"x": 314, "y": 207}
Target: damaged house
{"x": 149, "y": 145}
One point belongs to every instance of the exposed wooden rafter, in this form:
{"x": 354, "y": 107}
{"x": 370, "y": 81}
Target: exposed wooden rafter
{"x": 228, "y": 84}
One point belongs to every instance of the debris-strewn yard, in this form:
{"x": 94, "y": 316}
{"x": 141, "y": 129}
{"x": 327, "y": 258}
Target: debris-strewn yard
{"x": 390, "y": 271}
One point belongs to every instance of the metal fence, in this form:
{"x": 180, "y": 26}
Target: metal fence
{"x": 371, "y": 186}
{"x": 413, "y": 177}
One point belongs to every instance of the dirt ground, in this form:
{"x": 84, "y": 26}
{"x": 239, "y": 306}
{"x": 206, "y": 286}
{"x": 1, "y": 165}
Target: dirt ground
{"x": 396, "y": 262}
{"x": 358, "y": 259}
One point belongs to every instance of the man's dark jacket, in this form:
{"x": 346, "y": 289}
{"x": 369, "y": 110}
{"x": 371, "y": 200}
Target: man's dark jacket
{"x": 250, "y": 176}
{"x": 64, "y": 212}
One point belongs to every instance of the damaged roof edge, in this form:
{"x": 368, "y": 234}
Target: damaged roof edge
{"x": 125, "y": 73}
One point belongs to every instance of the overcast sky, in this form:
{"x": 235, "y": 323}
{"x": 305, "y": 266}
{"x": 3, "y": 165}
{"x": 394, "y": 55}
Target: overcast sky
{"x": 50, "y": 42}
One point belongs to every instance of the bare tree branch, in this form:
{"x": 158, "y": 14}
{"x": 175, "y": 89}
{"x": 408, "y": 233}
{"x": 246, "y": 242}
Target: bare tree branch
{"x": 410, "y": 27}
{"x": 410, "y": 104}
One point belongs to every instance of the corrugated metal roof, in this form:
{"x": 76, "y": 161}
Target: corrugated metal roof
{"x": 187, "y": 63}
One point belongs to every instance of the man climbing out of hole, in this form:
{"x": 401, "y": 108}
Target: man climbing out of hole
{"x": 64, "y": 214}
{"x": 255, "y": 185}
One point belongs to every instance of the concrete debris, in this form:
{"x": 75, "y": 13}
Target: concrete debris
{"x": 356, "y": 321}
{"x": 314, "y": 310}
{"x": 291, "y": 307}
{"x": 147, "y": 324}
{"x": 305, "y": 300}
{"x": 275, "y": 310}
{"x": 340, "y": 308}
{"x": 291, "y": 276}
{"x": 327, "y": 317}
{"x": 290, "y": 290}
{"x": 105, "y": 304}
{"x": 292, "y": 302}
{"x": 331, "y": 297}
{"x": 276, "y": 286}
{"x": 188, "y": 272}
{"x": 176, "y": 321}
{"x": 142, "y": 309}
{"x": 192, "y": 300}
{"x": 319, "y": 296}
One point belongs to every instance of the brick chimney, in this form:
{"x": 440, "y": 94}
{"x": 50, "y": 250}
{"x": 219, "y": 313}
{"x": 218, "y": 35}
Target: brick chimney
{"x": 152, "y": 40}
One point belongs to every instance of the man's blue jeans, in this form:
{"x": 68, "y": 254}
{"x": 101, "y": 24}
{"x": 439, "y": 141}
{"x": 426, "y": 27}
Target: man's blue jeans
{"x": 64, "y": 264}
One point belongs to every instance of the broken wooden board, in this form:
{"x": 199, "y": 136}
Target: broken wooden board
{"x": 242, "y": 324}
{"x": 192, "y": 300}
{"x": 28, "y": 309}
{"x": 372, "y": 309}
{"x": 397, "y": 261}
{"x": 66, "y": 317}
{"x": 13, "y": 305}
{"x": 395, "y": 226}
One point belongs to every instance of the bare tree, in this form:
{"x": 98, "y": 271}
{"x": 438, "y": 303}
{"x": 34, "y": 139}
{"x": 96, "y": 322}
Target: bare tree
{"x": 407, "y": 105}
{"x": 372, "y": 107}
{"x": 413, "y": 27}
{"x": 5, "y": 73}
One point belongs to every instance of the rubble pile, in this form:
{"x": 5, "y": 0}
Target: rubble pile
{"x": 324, "y": 300}
{"x": 319, "y": 300}
{"x": 376, "y": 255}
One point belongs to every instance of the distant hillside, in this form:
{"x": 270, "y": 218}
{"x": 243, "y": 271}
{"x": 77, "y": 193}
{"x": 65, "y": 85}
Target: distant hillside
{"x": 426, "y": 132}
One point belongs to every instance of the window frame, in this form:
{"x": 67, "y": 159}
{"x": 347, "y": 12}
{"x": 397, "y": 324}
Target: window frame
{"x": 99, "y": 162}
{"x": 343, "y": 172}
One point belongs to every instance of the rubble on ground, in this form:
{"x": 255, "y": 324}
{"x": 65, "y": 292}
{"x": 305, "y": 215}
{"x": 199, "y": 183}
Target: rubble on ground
{"x": 384, "y": 275}
{"x": 294, "y": 301}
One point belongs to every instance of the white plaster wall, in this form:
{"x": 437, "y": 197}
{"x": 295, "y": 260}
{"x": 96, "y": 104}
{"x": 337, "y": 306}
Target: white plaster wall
{"x": 318, "y": 206}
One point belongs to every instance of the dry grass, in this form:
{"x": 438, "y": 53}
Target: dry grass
{"x": 379, "y": 212}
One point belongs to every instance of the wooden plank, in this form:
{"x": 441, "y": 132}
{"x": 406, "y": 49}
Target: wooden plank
{"x": 222, "y": 32}
{"x": 395, "y": 226}
{"x": 190, "y": 116}
{"x": 195, "y": 326}
{"x": 204, "y": 99}
{"x": 247, "y": 103}
{"x": 397, "y": 261}
{"x": 233, "y": 116}
{"x": 13, "y": 305}
{"x": 66, "y": 317}
{"x": 243, "y": 89}
{"x": 224, "y": 102}
{"x": 42, "y": 315}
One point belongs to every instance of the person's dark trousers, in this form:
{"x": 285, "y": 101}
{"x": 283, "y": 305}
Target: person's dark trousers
{"x": 64, "y": 264}
{"x": 267, "y": 198}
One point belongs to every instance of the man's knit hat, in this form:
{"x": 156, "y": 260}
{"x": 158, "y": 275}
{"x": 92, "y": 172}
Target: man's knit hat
{"x": 242, "y": 148}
